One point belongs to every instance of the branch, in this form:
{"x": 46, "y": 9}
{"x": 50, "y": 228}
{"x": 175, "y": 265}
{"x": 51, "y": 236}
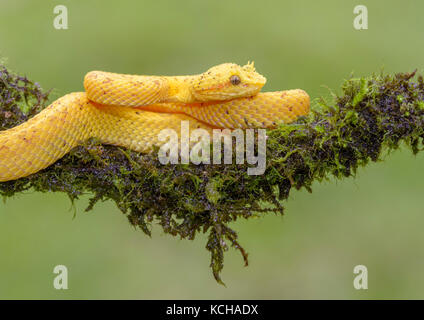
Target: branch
{"x": 372, "y": 115}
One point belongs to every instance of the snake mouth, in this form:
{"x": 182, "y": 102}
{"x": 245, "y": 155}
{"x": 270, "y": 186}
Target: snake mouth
{"x": 225, "y": 91}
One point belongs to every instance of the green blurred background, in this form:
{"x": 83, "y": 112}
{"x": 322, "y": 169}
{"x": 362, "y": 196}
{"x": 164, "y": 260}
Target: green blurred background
{"x": 375, "y": 219}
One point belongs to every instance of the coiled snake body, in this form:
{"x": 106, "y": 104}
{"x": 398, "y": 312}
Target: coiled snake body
{"x": 130, "y": 111}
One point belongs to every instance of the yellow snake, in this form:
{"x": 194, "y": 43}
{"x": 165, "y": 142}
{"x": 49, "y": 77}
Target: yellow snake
{"x": 131, "y": 110}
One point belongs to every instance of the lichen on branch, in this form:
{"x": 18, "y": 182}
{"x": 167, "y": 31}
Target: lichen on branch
{"x": 371, "y": 115}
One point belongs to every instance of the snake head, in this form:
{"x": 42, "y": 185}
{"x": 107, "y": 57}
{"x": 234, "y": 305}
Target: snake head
{"x": 228, "y": 81}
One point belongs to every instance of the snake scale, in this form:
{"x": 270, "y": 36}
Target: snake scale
{"x": 130, "y": 111}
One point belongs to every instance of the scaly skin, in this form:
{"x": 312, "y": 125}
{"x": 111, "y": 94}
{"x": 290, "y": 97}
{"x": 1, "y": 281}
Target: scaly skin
{"x": 130, "y": 111}
{"x": 212, "y": 85}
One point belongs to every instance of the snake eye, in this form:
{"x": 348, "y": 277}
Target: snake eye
{"x": 235, "y": 80}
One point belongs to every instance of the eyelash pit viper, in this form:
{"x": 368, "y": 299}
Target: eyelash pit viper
{"x": 130, "y": 111}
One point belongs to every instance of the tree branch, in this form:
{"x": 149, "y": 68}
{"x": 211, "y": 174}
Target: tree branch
{"x": 371, "y": 115}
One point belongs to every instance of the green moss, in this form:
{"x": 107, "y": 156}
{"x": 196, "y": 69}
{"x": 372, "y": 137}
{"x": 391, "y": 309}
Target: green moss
{"x": 371, "y": 115}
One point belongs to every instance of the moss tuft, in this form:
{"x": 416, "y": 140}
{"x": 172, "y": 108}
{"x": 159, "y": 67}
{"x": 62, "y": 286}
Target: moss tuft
{"x": 371, "y": 115}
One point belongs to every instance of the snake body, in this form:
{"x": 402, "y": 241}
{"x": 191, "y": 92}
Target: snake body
{"x": 130, "y": 111}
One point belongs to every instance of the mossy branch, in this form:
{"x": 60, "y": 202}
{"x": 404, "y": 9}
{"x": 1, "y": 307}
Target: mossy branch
{"x": 371, "y": 115}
